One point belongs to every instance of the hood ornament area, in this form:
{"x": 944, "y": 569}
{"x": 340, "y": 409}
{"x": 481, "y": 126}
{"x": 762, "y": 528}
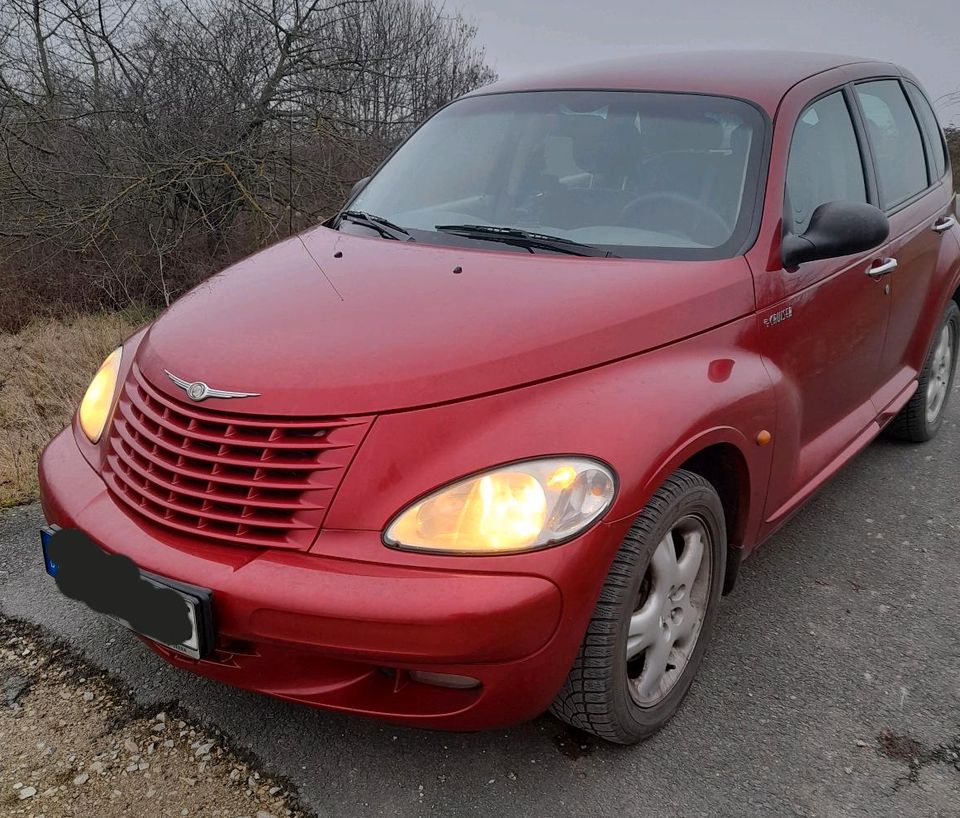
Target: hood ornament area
{"x": 198, "y": 390}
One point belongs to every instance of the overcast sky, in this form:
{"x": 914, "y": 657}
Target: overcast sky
{"x": 524, "y": 35}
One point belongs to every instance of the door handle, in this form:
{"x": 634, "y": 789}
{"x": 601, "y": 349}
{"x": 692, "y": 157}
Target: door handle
{"x": 944, "y": 224}
{"x": 884, "y": 268}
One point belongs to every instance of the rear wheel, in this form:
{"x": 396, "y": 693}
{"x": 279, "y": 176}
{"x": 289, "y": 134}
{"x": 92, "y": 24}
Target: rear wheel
{"x": 921, "y": 419}
{"x": 650, "y": 628}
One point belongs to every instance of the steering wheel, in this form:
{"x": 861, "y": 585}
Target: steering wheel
{"x": 705, "y": 227}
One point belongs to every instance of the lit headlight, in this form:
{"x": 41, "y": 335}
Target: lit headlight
{"x": 96, "y": 403}
{"x": 513, "y": 508}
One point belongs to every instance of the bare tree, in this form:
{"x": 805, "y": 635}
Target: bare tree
{"x": 143, "y": 143}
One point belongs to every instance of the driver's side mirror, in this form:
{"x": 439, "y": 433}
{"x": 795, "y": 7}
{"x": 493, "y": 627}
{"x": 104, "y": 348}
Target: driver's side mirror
{"x": 359, "y": 185}
{"x": 836, "y": 229}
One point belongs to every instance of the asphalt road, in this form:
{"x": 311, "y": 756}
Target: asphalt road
{"x": 836, "y": 661}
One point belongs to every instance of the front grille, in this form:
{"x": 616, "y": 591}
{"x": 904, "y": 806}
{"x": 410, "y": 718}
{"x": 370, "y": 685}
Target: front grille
{"x": 245, "y": 479}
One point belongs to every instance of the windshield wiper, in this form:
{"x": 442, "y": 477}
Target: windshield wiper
{"x": 524, "y": 238}
{"x": 385, "y": 228}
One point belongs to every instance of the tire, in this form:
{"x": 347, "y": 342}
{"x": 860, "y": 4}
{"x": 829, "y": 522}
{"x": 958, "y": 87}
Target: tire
{"x": 604, "y": 691}
{"x": 921, "y": 419}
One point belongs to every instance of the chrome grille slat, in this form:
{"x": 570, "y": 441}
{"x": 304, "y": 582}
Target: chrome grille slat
{"x": 205, "y": 513}
{"x": 188, "y": 469}
{"x": 264, "y": 459}
{"x": 232, "y": 436}
{"x": 250, "y": 480}
{"x": 251, "y": 421}
{"x": 241, "y": 498}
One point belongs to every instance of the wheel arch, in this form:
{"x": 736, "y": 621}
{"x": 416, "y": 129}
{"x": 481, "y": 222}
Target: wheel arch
{"x": 738, "y": 471}
{"x": 725, "y": 467}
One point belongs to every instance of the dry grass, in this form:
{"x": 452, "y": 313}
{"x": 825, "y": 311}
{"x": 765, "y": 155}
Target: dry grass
{"x": 44, "y": 370}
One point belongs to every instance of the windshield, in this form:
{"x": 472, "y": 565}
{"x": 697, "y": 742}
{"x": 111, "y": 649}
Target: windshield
{"x": 639, "y": 174}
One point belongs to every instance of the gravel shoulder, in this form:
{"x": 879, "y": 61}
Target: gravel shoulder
{"x": 72, "y": 743}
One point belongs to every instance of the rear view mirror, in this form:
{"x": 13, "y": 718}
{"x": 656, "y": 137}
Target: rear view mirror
{"x": 836, "y": 229}
{"x": 359, "y": 185}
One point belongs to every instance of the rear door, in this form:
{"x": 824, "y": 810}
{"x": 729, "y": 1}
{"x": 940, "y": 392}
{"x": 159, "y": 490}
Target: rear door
{"x": 822, "y": 324}
{"x": 910, "y": 161}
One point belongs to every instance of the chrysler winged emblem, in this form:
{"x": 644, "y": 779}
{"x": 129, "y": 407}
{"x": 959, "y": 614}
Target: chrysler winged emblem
{"x": 198, "y": 390}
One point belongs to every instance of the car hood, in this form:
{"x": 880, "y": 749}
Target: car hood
{"x": 331, "y": 324}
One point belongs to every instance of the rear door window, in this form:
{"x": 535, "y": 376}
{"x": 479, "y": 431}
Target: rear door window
{"x": 895, "y": 139}
{"x": 825, "y": 163}
{"x": 928, "y": 119}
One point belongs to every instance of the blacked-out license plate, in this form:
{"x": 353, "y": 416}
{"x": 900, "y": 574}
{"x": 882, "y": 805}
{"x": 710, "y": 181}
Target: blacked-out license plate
{"x": 172, "y": 613}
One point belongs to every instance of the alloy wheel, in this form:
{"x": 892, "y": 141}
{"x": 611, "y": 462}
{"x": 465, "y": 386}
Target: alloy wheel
{"x": 667, "y": 621}
{"x": 941, "y": 371}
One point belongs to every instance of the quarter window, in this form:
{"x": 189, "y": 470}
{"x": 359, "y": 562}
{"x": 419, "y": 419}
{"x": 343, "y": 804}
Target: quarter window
{"x": 928, "y": 119}
{"x": 895, "y": 139}
{"x": 825, "y": 164}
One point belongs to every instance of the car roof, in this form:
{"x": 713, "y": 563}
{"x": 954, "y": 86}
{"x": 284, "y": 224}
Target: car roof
{"x": 761, "y": 76}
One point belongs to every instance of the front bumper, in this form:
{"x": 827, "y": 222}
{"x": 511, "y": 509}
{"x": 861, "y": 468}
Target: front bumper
{"x": 343, "y": 633}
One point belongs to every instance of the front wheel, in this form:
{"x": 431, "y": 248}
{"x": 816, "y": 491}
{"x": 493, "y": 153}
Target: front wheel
{"x": 656, "y": 610}
{"x": 921, "y": 419}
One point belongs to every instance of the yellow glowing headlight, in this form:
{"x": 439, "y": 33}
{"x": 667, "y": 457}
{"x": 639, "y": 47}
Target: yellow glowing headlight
{"x": 96, "y": 403}
{"x": 514, "y": 508}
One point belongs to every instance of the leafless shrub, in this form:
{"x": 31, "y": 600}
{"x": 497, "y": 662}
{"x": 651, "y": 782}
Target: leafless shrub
{"x": 144, "y": 143}
{"x": 953, "y": 144}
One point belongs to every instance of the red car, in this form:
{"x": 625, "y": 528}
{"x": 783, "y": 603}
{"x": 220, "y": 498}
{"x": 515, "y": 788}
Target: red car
{"x": 496, "y": 438}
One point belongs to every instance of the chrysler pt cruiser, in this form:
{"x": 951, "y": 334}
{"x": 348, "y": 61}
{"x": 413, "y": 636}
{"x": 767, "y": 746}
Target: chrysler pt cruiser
{"x": 496, "y": 437}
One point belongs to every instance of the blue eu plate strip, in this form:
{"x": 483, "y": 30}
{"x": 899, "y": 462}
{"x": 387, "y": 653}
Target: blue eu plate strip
{"x": 45, "y": 534}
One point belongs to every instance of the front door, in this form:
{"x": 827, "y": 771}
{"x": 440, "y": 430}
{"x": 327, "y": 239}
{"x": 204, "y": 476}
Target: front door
{"x": 822, "y": 324}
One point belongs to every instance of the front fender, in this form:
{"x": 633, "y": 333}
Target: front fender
{"x": 644, "y": 415}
